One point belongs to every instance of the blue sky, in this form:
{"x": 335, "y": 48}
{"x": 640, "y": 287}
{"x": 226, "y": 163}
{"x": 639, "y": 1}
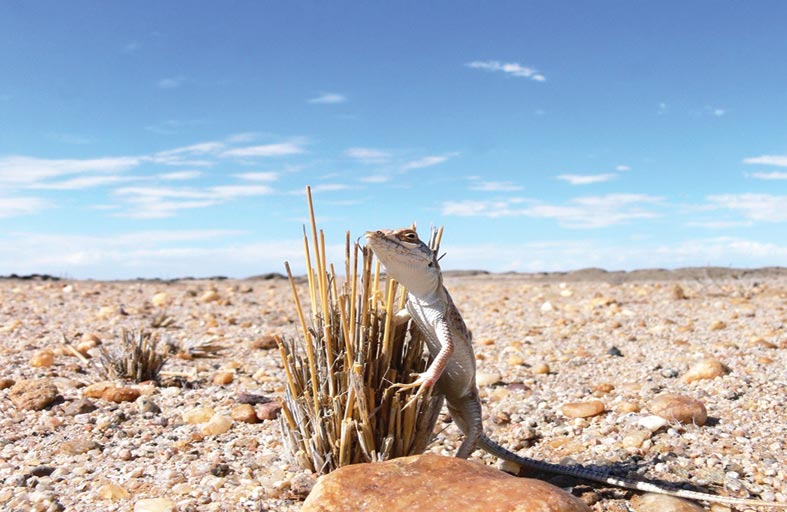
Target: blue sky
{"x": 163, "y": 139}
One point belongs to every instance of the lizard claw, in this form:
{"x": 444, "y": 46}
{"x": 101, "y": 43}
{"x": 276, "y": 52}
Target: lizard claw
{"x": 424, "y": 382}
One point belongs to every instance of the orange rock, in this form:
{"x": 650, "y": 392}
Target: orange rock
{"x": 583, "y": 409}
{"x": 434, "y": 482}
{"x": 681, "y": 408}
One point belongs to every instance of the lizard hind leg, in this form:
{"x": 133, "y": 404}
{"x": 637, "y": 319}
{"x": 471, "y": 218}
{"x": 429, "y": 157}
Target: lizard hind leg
{"x": 466, "y": 413}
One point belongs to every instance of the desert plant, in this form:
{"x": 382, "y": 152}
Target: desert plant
{"x": 339, "y": 407}
{"x": 137, "y": 358}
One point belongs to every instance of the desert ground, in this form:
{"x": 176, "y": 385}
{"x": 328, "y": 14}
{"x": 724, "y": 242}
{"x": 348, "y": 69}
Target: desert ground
{"x": 542, "y": 341}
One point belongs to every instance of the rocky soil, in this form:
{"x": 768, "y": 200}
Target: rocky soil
{"x": 569, "y": 369}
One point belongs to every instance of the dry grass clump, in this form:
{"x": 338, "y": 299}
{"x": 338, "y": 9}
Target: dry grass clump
{"x": 137, "y": 358}
{"x": 339, "y": 407}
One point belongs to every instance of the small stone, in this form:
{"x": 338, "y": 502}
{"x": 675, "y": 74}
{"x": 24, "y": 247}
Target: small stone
{"x": 154, "y": 505}
{"x": 583, "y": 409}
{"x": 635, "y": 438}
{"x": 437, "y": 483}
{"x": 6, "y": 383}
{"x": 268, "y": 411}
{"x": 546, "y": 307}
{"x": 515, "y": 360}
{"x": 679, "y": 408}
{"x": 678, "y": 293}
{"x": 32, "y": 395}
{"x": 78, "y": 446}
{"x": 119, "y": 395}
{"x": 614, "y": 352}
{"x": 198, "y": 415}
{"x": 487, "y": 378}
{"x": 603, "y": 388}
{"x": 97, "y": 389}
{"x": 209, "y": 296}
{"x": 265, "y": 342}
{"x": 146, "y": 405}
{"x": 161, "y": 299}
{"x": 42, "y": 358}
{"x": 40, "y": 471}
{"x": 652, "y": 422}
{"x": 217, "y": 425}
{"x": 223, "y": 378}
{"x": 112, "y": 492}
{"x": 663, "y": 503}
{"x": 707, "y": 368}
{"x": 244, "y": 413}
{"x": 541, "y": 369}
{"x": 252, "y": 398}
{"x": 627, "y": 407}
{"x": 105, "y": 312}
{"x": 80, "y": 406}
{"x": 718, "y": 325}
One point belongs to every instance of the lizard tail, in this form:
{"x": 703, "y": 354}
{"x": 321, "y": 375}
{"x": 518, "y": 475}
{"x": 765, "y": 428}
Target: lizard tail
{"x": 627, "y": 483}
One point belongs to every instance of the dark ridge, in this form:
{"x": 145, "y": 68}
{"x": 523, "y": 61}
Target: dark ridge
{"x": 31, "y": 277}
{"x": 267, "y": 277}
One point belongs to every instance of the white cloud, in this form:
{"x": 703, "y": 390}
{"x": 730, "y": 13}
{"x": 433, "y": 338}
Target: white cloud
{"x": 14, "y": 206}
{"x": 21, "y": 170}
{"x": 719, "y": 224}
{"x": 426, "y": 161}
{"x": 585, "y": 179}
{"x": 582, "y": 212}
{"x": 172, "y": 82}
{"x": 718, "y": 112}
{"x": 622, "y": 168}
{"x": 757, "y": 207}
{"x": 83, "y": 182}
{"x": 328, "y": 98}
{"x": 376, "y": 178}
{"x": 496, "y": 186}
{"x": 777, "y": 160}
{"x": 258, "y": 176}
{"x": 180, "y": 175}
{"x": 266, "y": 150}
{"x": 233, "y": 191}
{"x": 775, "y": 175}
{"x": 509, "y": 68}
{"x": 368, "y": 155}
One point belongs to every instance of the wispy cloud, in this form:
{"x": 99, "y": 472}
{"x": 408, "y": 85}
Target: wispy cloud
{"x": 622, "y": 168}
{"x": 757, "y": 207}
{"x": 581, "y": 212}
{"x": 368, "y": 155}
{"x": 585, "y": 179}
{"x": 15, "y": 206}
{"x": 328, "y": 98}
{"x": 777, "y": 160}
{"x": 266, "y": 150}
{"x": 427, "y": 161}
{"x": 172, "y": 82}
{"x": 496, "y": 186}
{"x": 131, "y": 47}
{"x": 83, "y": 182}
{"x": 22, "y": 170}
{"x": 775, "y": 175}
{"x": 180, "y": 175}
{"x": 258, "y": 176}
{"x": 375, "y": 178}
{"x": 509, "y": 68}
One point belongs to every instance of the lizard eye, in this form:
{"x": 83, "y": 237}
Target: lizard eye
{"x": 409, "y": 236}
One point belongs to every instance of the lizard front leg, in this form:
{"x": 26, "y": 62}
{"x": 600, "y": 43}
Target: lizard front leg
{"x": 426, "y": 380}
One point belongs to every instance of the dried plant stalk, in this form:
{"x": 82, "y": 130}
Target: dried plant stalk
{"x": 137, "y": 359}
{"x": 339, "y": 407}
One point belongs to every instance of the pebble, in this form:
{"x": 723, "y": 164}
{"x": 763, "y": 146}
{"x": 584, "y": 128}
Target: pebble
{"x": 265, "y": 342}
{"x": 6, "y": 383}
{"x": 32, "y": 395}
{"x": 244, "y": 413}
{"x": 78, "y": 446}
{"x": 217, "y": 425}
{"x": 487, "y": 378}
{"x": 680, "y": 408}
{"x": 678, "y": 293}
{"x": 635, "y": 438}
{"x": 652, "y": 422}
{"x": 198, "y": 415}
{"x": 146, "y": 405}
{"x": 154, "y": 505}
{"x": 223, "y": 378}
{"x": 79, "y": 406}
{"x": 209, "y": 296}
{"x": 268, "y": 411}
{"x": 119, "y": 395}
{"x": 541, "y": 369}
{"x": 718, "y": 325}
{"x": 97, "y": 389}
{"x": 112, "y": 492}
{"x": 706, "y": 368}
{"x": 546, "y": 307}
{"x": 161, "y": 299}
{"x": 663, "y": 503}
{"x": 583, "y": 409}
{"x": 42, "y": 358}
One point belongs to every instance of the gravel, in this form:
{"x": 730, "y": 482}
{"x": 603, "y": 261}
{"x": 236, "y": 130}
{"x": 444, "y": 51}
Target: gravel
{"x": 88, "y": 454}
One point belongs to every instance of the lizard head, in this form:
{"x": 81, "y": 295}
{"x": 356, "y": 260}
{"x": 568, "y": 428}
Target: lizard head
{"x": 406, "y": 258}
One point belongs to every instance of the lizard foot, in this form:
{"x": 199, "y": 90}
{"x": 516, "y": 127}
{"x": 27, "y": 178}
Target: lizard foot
{"x": 424, "y": 383}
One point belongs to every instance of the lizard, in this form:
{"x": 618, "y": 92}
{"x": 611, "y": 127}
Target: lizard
{"x": 413, "y": 264}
